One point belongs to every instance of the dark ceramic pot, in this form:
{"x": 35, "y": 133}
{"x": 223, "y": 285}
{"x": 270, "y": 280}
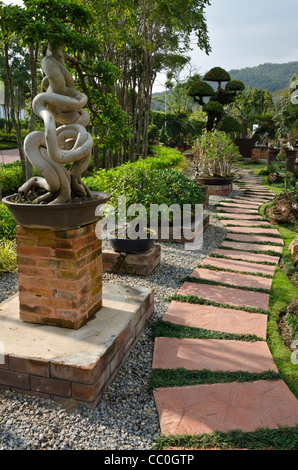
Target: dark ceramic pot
{"x": 128, "y": 245}
{"x": 57, "y": 216}
{"x": 215, "y": 181}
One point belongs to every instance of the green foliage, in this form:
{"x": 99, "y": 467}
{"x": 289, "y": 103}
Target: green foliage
{"x": 149, "y": 181}
{"x": 11, "y": 178}
{"x": 7, "y": 223}
{"x": 230, "y": 125}
{"x": 49, "y": 21}
{"x": 8, "y": 256}
{"x": 215, "y": 153}
{"x": 217, "y": 74}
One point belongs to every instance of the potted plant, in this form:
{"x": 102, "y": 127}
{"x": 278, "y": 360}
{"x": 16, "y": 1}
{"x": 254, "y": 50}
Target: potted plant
{"x": 126, "y": 239}
{"x": 215, "y": 153}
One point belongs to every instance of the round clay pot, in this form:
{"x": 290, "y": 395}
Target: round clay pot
{"x": 56, "y": 216}
{"x": 128, "y": 245}
{"x": 215, "y": 181}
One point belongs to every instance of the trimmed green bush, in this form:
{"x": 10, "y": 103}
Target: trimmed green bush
{"x": 11, "y": 178}
{"x": 7, "y": 223}
{"x": 150, "y": 181}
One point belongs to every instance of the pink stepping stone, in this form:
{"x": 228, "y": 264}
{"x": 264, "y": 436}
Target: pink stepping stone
{"x": 251, "y": 246}
{"x": 239, "y": 206}
{"x": 256, "y": 230}
{"x": 242, "y": 201}
{"x": 236, "y": 279}
{"x": 252, "y": 199}
{"x": 240, "y": 216}
{"x": 224, "y": 407}
{"x": 235, "y": 210}
{"x": 216, "y": 318}
{"x": 240, "y": 266}
{"x": 246, "y": 256}
{"x": 241, "y": 237}
{"x": 263, "y": 196}
{"x": 212, "y": 354}
{"x": 244, "y": 223}
{"x": 226, "y": 295}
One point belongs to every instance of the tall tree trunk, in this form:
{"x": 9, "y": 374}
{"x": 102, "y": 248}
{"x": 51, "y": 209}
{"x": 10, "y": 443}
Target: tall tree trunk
{"x": 13, "y": 109}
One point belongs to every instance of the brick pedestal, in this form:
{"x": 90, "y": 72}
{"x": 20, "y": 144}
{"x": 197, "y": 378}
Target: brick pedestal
{"x": 60, "y": 275}
{"x": 220, "y": 190}
{"x": 141, "y": 264}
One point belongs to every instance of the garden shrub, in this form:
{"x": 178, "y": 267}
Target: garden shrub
{"x": 144, "y": 185}
{"x": 11, "y": 178}
{"x": 8, "y": 256}
{"x": 7, "y": 223}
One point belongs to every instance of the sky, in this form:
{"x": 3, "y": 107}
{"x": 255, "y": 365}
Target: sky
{"x": 243, "y": 34}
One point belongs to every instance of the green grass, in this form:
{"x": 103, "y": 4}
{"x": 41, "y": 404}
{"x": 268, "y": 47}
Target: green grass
{"x": 161, "y": 378}
{"x": 171, "y": 330}
{"x": 282, "y": 438}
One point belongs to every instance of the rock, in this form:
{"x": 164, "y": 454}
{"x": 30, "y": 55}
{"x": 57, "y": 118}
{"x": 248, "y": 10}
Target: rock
{"x": 283, "y": 210}
{"x": 293, "y": 248}
{"x": 293, "y": 307}
{"x": 274, "y": 178}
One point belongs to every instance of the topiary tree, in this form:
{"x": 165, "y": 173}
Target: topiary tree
{"x": 217, "y": 98}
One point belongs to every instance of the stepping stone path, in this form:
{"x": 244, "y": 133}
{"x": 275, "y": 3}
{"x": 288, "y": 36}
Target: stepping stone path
{"x": 228, "y": 293}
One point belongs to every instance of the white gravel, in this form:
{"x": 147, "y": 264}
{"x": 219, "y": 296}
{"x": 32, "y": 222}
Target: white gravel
{"x": 126, "y": 417}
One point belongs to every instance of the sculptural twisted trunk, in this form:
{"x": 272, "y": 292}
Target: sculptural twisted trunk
{"x": 69, "y": 143}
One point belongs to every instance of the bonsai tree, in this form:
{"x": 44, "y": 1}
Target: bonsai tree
{"x": 215, "y": 153}
{"x": 60, "y": 102}
{"x": 219, "y": 97}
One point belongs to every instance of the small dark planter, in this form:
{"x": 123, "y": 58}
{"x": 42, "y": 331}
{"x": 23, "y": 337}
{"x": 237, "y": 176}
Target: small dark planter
{"x": 56, "y": 216}
{"x": 128, "y": 245}
{"x": 215, "y": 181}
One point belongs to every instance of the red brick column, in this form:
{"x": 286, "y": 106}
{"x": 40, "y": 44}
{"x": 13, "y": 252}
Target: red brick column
{"x": 60, "y": 275}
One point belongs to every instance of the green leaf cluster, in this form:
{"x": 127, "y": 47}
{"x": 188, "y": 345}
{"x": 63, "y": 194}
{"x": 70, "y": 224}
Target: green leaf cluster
{"x": 149, "y": 181}
{"x": 7, "y": 223}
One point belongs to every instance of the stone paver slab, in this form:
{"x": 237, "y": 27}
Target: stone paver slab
{"x": 251, "y": 246}
{"x": 235, "y": 210}
{"x": 244, "y": 223}
{"x": 250, "y": 230}
{"x": 246, "y": 256}
{"x": 241, "y": 237}
{"x": 239, "y": 216}
{"x": 224, "y": 407}
{"x": 235, "y": 279}
{"x": 240, "y": 266}
{"x": 241, "y": 200}
{"x": 226, "y": 295}
{"x": 238, "y": 206}
{"x": 212, "y": 354}
{"x": 252, "y": 199}
{"x": 216, "y": 318}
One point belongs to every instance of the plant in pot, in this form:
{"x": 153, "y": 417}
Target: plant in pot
{"x": 131, "y": 238}
{"x": 215, "y": 154}
{"x": 57, "y": 198}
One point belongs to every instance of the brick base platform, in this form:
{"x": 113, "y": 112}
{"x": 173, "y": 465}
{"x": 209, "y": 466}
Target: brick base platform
{"x": 63, "y": 364}
{"x": 219, "y": 190}
{"x": 60, "y": 275}
{"x": 141, "y": 264}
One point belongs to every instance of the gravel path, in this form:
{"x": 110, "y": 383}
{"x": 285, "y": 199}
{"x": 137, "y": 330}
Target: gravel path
{"x": 126, "y": 417}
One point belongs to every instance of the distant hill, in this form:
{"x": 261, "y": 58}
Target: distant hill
{"x": 271, "y": 77}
